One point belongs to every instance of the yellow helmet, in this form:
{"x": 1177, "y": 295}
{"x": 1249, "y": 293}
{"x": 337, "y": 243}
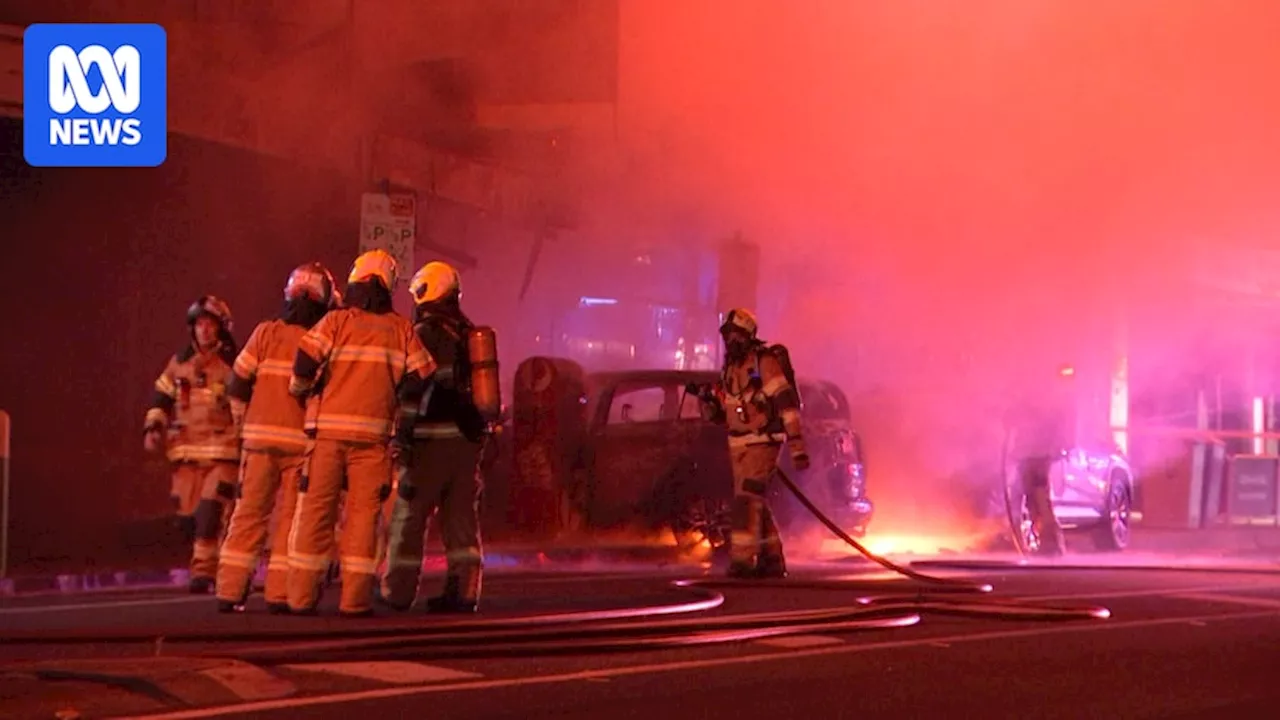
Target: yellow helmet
{"x": 374, "y": 264}
{"x": 742, "y": 319}
{"x": 433, "y": 282}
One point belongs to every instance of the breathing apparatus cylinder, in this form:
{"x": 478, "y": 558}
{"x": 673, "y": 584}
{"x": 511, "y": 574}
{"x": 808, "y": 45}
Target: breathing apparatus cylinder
{"x": 486, "y": 392}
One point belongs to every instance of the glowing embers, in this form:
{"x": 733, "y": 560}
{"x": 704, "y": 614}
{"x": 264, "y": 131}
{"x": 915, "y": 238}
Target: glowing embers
{"x": 904, "y": 544}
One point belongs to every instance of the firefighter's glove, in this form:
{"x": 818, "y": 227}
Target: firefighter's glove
{"x": 238, "y": 408}
{"x": 402, "y": 453}
{"x": 799, "y": 455}
{"x": 153, "y": 440}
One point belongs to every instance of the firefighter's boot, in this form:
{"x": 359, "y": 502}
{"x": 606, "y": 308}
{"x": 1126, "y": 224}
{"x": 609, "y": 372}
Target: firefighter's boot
{"x": 772, "y": 567}
{"x": 771, "y": 563}
{"x": 451, "y": 600}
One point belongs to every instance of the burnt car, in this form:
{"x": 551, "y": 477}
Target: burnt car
{"x": 645, "y": 458}
{"x": 837, "y": 476}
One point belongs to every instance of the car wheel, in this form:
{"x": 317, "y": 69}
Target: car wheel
{"x": 1113, "y": 533}
{"x": 698, "y": 523}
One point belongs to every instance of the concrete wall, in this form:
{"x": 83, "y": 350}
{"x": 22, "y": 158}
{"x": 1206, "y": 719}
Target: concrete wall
{"x": 100, "y": 267}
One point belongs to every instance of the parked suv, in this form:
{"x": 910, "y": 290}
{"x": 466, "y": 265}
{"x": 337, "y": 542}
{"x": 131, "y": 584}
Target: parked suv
{"x": 1091, "y": 485}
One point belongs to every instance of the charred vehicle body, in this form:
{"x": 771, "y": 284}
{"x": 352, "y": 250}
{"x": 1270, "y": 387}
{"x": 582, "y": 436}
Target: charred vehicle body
{"x": 630, "y": 450}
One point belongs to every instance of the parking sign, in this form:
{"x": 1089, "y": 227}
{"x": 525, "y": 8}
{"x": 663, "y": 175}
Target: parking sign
{"x": 94, "y": 95}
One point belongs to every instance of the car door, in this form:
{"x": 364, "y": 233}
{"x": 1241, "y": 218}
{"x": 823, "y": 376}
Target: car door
{"x": 703, "y": 448}
{"x": 1098, "y": 470}
{"x": 1071, "y": 486}
{"x": 632, "y": 438}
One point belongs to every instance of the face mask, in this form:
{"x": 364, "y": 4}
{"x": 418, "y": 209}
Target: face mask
{"x": 736, "y": 347}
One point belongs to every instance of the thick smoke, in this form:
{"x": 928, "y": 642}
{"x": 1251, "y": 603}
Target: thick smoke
{"x": 955, "y": 198}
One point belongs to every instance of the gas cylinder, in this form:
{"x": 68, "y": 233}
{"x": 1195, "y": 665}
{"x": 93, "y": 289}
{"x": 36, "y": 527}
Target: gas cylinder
{"x": 486, "y": 393}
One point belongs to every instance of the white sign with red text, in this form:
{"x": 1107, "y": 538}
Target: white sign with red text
{"x": 389, "y": 222}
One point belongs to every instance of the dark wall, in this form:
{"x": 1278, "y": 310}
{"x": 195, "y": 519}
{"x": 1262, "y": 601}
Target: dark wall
{"x": 99, "y": 266}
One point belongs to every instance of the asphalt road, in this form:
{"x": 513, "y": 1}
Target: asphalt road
{"x": 1175, "y": 643}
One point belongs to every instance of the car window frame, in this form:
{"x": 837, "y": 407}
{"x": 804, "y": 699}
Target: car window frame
{"x": 629, "y": 387}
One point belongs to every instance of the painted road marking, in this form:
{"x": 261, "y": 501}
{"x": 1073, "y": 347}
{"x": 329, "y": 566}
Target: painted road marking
{"x": 391, "y": 672}
{"x": 1233, "y": 600}
{"x": 678, "y": 666}
{"x": 250, "y": 682}
{"x": 105, "y": 605}
{"x": 794, "y": 642}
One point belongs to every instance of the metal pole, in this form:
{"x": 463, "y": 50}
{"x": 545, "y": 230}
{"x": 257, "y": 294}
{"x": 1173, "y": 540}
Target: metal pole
{"x": 4, "y": 494}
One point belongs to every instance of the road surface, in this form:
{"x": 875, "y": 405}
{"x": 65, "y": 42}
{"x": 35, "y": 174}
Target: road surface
{"x": 1175, "y": 643}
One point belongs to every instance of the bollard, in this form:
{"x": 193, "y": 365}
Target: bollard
{"x": 4, "y": 495}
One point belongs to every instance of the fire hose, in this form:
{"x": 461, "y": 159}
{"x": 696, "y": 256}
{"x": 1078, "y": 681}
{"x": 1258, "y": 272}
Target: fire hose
{"x": 879, "y": 611}
{"x": 626, "y": 629}
{"x": 877, "y": 559}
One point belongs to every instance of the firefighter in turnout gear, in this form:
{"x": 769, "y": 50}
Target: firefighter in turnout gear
{"x": 445, "y": 477}
{"x": 757, "y": 400}
{"x": 369, "y": 371}
{"x": 190, "y": 420}
{"x": 1041, "y": 426}
{"x": 270, "y": 422}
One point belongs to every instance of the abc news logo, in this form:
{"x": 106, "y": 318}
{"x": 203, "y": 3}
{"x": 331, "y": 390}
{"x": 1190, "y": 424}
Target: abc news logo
{"x": 95, "y": 95}
{"x": 69, "y": 90}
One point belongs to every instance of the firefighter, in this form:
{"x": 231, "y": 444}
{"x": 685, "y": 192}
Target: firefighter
{"x": 369, "y": 370}
{"x": 757, "y": 400}
{"x": 190, "y": 420}
{"x": 1041, "y": 426}
{"x": 270, "y": 423}
{"x": 445, "y": 477}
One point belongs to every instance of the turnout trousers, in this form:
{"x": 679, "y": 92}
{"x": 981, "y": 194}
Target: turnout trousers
{"x": 444, "y": 482}
{"x": 267, "y": 499}
{"x": 214, "y": 483}
{"x": 754, "y": 543}
{"x": 1034, "y": 473}
{"x": 366, "y": 467}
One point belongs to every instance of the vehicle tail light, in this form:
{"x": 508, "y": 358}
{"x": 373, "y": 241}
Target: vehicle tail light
{"x": 844, "y": 444}
{"x": 855, "y": 479}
